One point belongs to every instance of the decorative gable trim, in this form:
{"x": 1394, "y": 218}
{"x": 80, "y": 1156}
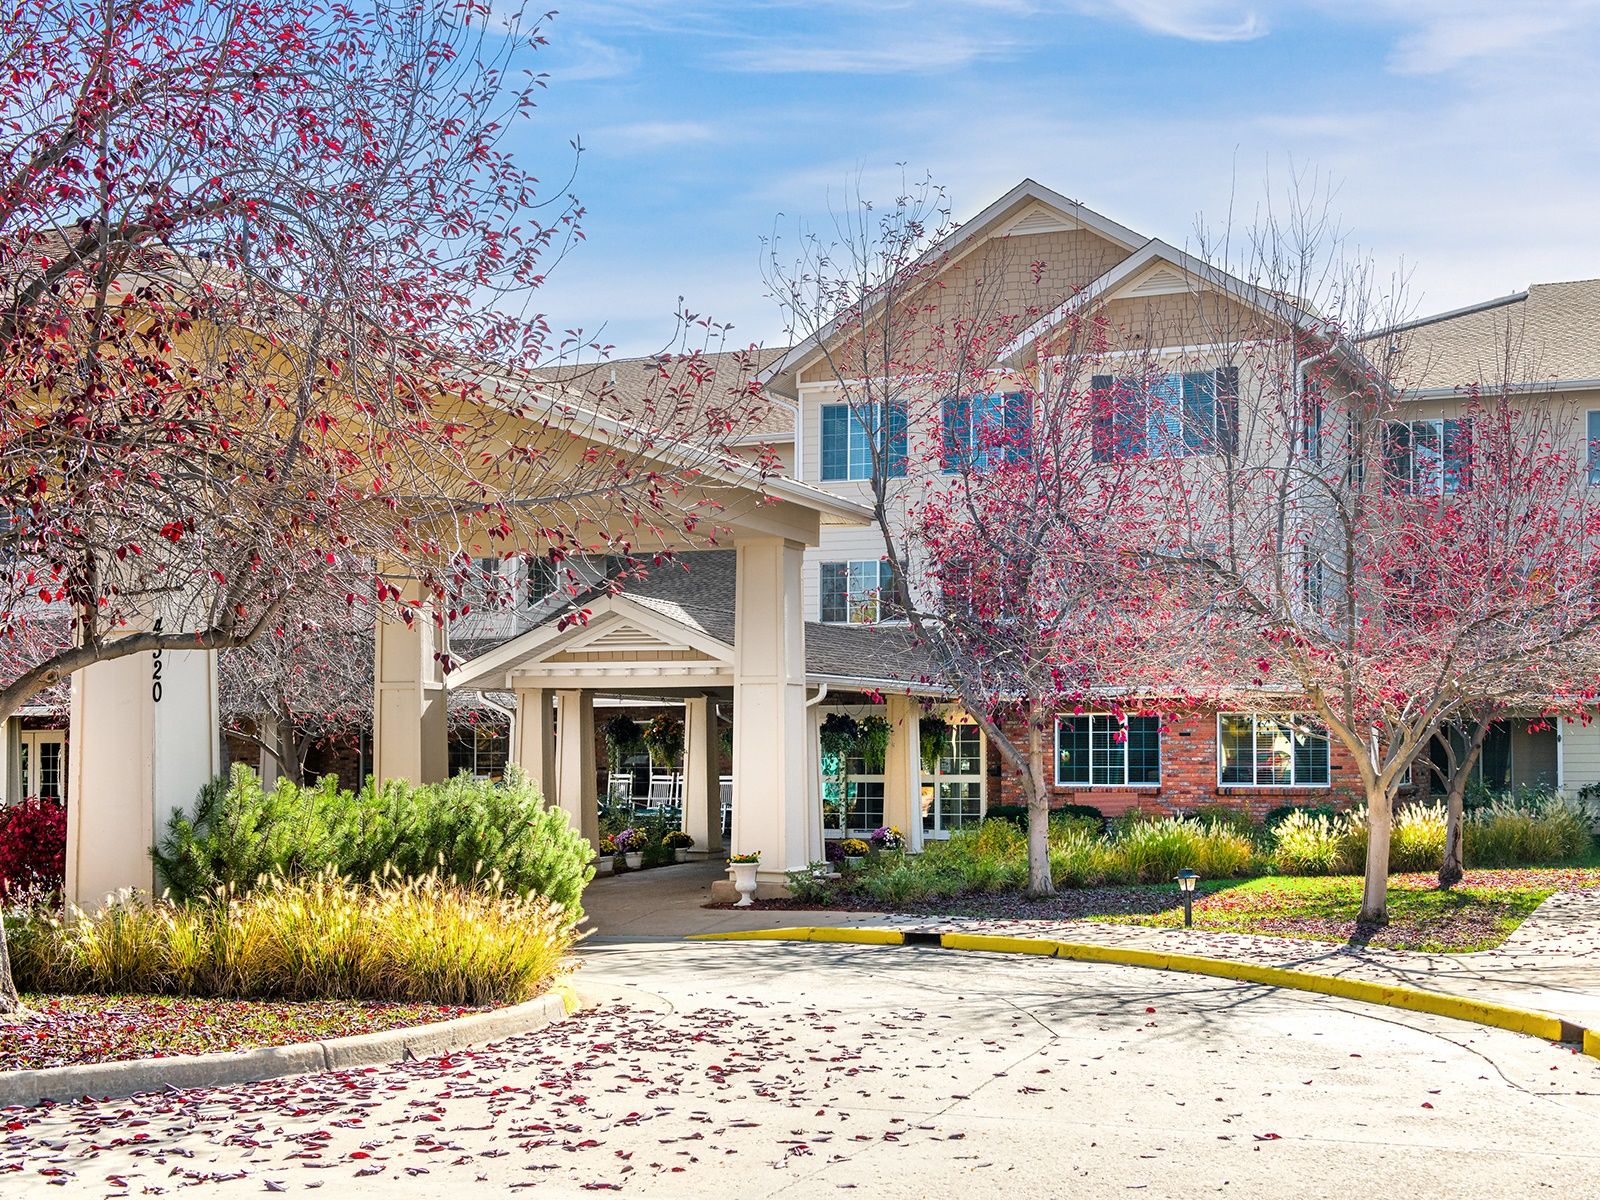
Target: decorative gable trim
{"x": 1039, "y": 219}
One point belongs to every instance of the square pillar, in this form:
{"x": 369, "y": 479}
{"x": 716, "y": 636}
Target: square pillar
{"x": 575, "y": 786}
{"x": 774, "y": 809}
{"x": 11, "y": 761}
{"x": 902, "y": 770}
{"x": 409, "y": 721}
{"x": 702, "y": 789}
{"x": 535, "y": 741}
{"x": 145, "y": 738}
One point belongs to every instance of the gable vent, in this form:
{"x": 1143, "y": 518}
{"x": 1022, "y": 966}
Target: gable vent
{"x": 1038, "y": 220}
{"x": 1163, "y": 281}
{"x": 627, "y": 637}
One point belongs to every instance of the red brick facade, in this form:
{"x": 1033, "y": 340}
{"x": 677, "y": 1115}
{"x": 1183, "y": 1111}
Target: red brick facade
{"x": 1188, "y": 778}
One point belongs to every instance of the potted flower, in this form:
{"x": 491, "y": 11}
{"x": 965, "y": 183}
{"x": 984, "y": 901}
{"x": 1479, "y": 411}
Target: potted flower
{"x": 855, "y": 852}
{"x": 605, "y": 860}
{"x": 743, "y": 867}
{"x": 888, "y": 839}
{"x": 679, "y": 843}
{"x": 873, "y": 744}
{"x": 663, "y": 738}
{"x": 631, "y": 842}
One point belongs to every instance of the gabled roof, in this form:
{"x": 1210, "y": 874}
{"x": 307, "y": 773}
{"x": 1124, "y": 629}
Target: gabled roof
{"x": 1026, "y": 193}
{"x": 692, "y": 599}
{"x": 1551, "y": 333}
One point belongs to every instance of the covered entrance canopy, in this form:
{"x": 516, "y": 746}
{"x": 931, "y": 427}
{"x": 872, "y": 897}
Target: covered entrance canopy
{"x": 703, "y": 628}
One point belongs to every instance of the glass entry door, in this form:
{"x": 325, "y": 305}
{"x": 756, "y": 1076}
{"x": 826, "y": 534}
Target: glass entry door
{"x": 44, "y": 763}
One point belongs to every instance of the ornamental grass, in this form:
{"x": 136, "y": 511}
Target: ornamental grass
{"x": 427, "y": 940}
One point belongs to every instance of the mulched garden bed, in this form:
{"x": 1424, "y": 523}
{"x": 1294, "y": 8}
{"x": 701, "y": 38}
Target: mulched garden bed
{"x": 1478, "y": 914}
{"x": 64, "y": 1031}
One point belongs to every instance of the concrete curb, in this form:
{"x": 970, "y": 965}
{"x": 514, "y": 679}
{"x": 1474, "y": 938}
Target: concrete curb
{"x": 1461, "y": 1008}
{"x": 114, "y": 1080}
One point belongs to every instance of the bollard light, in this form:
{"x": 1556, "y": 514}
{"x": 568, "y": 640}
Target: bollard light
{"x": 1186, "y": 881}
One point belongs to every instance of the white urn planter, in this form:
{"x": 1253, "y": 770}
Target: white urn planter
{"x": 744, "y": 882}
{"x": 854, "y": 861}
{"x": 634, "y": 859}
{"x": 680, "y": 854}
{"x": 604, "y": 865}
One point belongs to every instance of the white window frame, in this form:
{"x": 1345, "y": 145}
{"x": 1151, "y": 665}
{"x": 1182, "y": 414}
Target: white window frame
{"x": 932, "y": 783}
{"x": 1255, "y": 759}
{"x": 1062, "y": 718}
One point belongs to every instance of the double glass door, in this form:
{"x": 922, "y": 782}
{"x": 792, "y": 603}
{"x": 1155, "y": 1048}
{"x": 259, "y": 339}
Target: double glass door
{"x": 43, "y": 763}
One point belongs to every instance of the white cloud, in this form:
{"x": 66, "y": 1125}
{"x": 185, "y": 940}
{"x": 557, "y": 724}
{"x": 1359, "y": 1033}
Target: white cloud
{"x": 588, "y": 58}
{"x": 848, "y": 56}
{"x": 648, "y": 135}
{"x": 1192, "y": 20}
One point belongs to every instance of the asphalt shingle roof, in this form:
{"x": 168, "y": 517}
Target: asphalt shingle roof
{"x": 1552, "y": 331}
{"x": 623, "y": 386}
{"x": 697, "y": 590}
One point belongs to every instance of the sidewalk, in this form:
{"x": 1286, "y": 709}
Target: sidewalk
{"x": 1551, "y": 963}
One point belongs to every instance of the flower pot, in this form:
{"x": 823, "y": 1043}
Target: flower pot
{"x": 635, "y": 860}
{"x": 744, "y": 882}
{"x": 854, "y": 861}
{"x": 604, "y": 865}
{"x": 680, "y": 854}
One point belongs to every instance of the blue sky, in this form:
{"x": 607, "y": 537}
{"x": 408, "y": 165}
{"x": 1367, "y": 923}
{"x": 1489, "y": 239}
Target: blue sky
{"x": 1462, "y": 137}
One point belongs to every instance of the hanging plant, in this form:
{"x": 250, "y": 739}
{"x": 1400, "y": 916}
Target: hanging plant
{"x": 873, "y": 745}
{"x": 622, "y": 739}
{"x": 934, "y": 736}
{"x": 663, "y": 738}
{"x": 839, "y": 734}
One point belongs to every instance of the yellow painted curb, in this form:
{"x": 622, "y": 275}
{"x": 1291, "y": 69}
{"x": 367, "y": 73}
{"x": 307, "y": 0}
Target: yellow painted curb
{"x": 809, "y": 933}
{"x": 1460, "y": 1008}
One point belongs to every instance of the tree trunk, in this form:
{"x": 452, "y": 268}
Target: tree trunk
{"x": 1375, "y": 888}
{"x": 1455, "y": 821}
{"x": 10, "y": 1004}
{"x": 1040, "y": 883}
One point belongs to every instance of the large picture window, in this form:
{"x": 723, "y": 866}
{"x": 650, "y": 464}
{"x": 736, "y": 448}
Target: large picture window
{"x": 1271, "y": 750}
{"x": 1165, "y": 415}
{"x": 952, "y": 796}
{"x": 847, "y": 440}
{"x": 1103, "y": 750}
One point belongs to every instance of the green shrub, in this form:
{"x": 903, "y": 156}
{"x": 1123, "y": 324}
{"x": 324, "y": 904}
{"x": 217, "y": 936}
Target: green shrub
{"x": 1086, "y": 811}
{"x": 1504, "y": 835}
{"x": 314, "y": 938}
{"x": 812, "y": 884}
{"x": 465, "y": 830}
{"x": 1155, "y": 851}
{"x": 1079, "y": 858}
{"x": 1017, "y": 814}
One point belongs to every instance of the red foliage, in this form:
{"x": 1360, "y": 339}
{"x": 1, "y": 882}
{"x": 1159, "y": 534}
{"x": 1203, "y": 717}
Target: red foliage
{"x": 33, "y": 845}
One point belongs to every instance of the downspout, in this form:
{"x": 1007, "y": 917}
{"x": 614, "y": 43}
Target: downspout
{"x": 799, "y": 447}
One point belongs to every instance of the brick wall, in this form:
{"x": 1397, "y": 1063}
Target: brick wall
{"x": 1188, "y": 777}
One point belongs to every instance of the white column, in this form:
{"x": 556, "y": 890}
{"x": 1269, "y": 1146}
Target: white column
{"x": 409, "y": 719}
{"x": 902, "y": 770}
{"x": 702, "y": 789}
{"x": 11, "y": 787}
{"x": 534, "y": 745}
{"x": 145, "y": 738}
{"x": 774, "y": 811}
{"x": 575, "y": 788}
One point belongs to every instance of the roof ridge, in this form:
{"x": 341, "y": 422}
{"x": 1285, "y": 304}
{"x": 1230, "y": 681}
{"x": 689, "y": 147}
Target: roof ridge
{"x": 1449, "y": 315}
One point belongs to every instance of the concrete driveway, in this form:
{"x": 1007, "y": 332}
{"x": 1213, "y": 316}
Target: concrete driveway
{"x": 742, "y": 1070}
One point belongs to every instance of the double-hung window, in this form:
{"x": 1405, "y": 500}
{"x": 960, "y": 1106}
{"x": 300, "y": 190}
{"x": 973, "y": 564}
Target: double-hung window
{"x": 1170, "y": 415}
{"x": 1271, "y": 750}
{"x": 860, "y": 592}
{"x": 981, "y": 431}
{"x": 1429, "y": 457}
{"x": 1104, "y": 750}
{"x": 849, "y": 433}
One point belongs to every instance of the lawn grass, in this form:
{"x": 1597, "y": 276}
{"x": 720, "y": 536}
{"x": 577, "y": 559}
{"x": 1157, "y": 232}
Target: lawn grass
{"x": 1477, "y": 914}
{"x": 69, "y": 1030}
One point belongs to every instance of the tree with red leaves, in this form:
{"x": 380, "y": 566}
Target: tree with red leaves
{"x": 999, "y": 525}
{"x": 265, "y": 275}
{"x": 1388, "y": 564}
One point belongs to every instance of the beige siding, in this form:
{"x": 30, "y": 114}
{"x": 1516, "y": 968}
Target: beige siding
{"x": 1580, "y": 752}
